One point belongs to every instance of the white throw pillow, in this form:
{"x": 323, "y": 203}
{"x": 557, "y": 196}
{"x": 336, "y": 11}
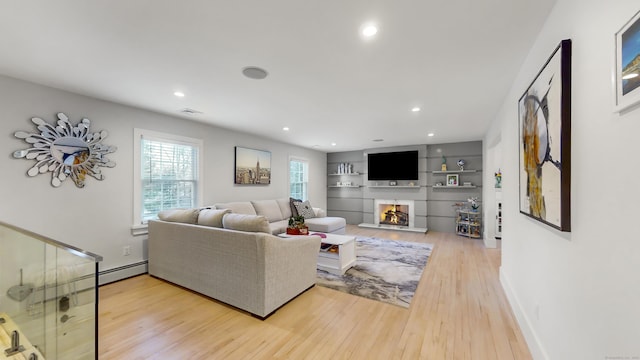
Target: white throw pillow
{"x": 304, "y": 209}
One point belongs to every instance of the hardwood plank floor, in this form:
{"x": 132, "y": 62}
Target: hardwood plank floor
{"x": 459, "y": 311}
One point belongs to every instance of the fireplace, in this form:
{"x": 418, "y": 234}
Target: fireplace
{"x": 394, "y": 213}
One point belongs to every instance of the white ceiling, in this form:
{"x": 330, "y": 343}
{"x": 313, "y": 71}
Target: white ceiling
{"x": 456, "y": 59}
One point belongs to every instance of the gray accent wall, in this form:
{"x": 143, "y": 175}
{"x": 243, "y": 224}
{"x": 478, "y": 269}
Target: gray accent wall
{"x": 441, "y": 200}
{"x": 433, "y": 207}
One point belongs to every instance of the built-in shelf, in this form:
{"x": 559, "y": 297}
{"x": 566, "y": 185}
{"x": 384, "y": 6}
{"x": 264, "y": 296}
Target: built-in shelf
{"x": 454, "y": 171}
{"x": 353, "y": 174}
{"x": 455, "y": 187}
{"x": 345, "y": 186}
{"x": 395, "y": 186}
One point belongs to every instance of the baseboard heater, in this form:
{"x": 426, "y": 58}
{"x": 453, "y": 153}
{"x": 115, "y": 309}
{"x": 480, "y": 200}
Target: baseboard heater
{"x": 122, "y": 272}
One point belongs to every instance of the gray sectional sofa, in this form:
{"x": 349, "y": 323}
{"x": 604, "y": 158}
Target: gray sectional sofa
{"x": 230, "y": 253}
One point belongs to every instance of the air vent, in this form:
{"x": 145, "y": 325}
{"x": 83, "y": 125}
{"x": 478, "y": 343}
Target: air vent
{"x": 189, "y": 111}
{"x": 254, "y": 72}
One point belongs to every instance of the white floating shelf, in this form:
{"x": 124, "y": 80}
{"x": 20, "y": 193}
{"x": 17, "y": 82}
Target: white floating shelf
{"x": 395, "y": 186}
{"x": 336, "y": 174}
{"x": 454, "y": 171}
{"x": 455, "y": 187}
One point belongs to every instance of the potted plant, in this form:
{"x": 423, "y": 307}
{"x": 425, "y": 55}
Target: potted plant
{"x": 297, "y": 226}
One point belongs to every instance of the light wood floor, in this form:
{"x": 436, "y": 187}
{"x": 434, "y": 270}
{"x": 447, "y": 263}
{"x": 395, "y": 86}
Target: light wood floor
{"x": 459, "y": 311}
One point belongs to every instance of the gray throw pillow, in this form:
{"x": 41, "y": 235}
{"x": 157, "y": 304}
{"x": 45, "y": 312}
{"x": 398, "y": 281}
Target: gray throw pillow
{"x": 305, "y": 209}
{"x": 294, "y": 210}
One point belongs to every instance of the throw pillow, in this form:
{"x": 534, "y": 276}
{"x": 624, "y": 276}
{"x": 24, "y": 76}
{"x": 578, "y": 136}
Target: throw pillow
{"x": 212, "y": 217}
{"x": 187, "y": 216}
{"x": 305, "y": 209}
{"x": 294, "y": 210}
{"x": 243, "y": 222}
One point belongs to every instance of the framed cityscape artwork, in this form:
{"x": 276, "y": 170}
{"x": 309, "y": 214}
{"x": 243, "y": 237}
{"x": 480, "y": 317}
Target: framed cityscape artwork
{"x": 545, "y": 142}
{"x": 627, "y": 71}
{"x": 253, "y": 167}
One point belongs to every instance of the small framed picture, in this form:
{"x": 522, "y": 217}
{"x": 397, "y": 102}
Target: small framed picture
{"x": 627, "y": 71}
{"x": 452, "y": 179}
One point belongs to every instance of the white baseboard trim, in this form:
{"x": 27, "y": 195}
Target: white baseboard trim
{"x": 122, "y": 272}
{"x": 530, "y": 336}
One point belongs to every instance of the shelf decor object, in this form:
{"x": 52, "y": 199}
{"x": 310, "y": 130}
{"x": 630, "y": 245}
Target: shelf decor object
{"x": 627, "y": 65}
{"x": 545, "y": 142}
{"x": 65, "y": 150}
{"x": 452, "y": 179}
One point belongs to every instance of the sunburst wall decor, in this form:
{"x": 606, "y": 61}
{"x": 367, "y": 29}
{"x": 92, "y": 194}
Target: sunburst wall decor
{"x": 66, "y": 151}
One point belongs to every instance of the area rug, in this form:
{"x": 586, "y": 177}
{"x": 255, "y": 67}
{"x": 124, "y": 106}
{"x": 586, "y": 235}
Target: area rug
{"x": 385, "y": 270}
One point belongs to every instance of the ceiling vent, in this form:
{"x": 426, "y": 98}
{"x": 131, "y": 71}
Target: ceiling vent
{"x": 189, "y": 111}
{"x": 254, "y": 72}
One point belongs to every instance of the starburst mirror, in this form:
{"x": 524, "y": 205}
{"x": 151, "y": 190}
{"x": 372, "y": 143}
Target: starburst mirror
{"x": 65, "y": 150}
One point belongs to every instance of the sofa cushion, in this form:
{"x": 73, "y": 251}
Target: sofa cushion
{"x": 269, "y": 209}
{"x": 305, "y": 209}
{"x": 212, "y": 217}
{"x": 244, "y": 222}
{"x": 285, "y": 208}
{"x": 241, "y": 207}
{"x": 278, "y": 227}
{"x": 327, "y": 224}
{"x": 187, "y": 216}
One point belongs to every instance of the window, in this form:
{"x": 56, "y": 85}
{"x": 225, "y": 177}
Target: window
{"x": 298, "y": 178}
{"x": 166, "y": 173}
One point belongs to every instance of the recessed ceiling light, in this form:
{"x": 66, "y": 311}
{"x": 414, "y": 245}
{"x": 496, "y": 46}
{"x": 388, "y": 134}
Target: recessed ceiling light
{"x": 178, "y": 94}
{"x": 369, "y": 30}
{"x": 333, "y": 144}
{"x": 286, "y": 128}
{"x": 629, "y": 76}
{"x": 254, "y": 72}
{"x": 430, "y": 134}
{"x": 415, "y": 109}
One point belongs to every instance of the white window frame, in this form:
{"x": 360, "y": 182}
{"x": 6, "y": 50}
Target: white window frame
{"x": 139, "y": 226}
{"x": 298, "y": 159}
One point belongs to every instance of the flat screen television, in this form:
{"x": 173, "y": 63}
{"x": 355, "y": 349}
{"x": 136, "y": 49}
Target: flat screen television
{"x": 401, "y": 165}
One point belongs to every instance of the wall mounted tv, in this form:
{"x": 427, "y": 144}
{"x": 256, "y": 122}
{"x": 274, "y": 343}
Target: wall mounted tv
{"x": 402, "y": 165}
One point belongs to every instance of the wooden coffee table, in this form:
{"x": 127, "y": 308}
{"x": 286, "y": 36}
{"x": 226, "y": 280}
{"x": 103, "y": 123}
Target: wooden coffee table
{"x": 337, "y": 252}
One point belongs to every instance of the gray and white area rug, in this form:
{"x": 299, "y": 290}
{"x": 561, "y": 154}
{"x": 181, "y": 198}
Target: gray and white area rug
{"x": 385, "y": 270}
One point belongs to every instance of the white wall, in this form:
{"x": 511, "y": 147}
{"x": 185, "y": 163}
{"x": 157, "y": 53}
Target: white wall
{"x": 98, "y": 218}
{"x": 577, "y": 295}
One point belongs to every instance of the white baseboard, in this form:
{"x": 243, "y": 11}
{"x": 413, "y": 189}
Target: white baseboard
{"x": 529, "y": 333}
{"x": 122, "y": 272}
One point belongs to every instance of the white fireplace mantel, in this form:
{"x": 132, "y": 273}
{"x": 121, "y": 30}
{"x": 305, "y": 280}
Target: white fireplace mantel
{"x": 376, "y": 216}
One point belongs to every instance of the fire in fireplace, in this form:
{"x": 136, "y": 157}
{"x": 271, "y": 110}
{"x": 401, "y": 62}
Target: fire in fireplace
{"x": 394, "y": 214}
